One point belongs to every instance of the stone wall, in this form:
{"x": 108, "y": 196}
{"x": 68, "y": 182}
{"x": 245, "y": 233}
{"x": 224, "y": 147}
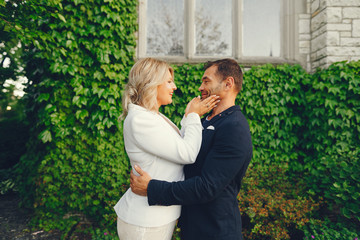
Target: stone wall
{"x": 305, "y": 36}
{"x": 333, "y": 33}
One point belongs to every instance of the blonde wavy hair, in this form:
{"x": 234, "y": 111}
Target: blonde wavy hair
{"x": 144, "y": 78}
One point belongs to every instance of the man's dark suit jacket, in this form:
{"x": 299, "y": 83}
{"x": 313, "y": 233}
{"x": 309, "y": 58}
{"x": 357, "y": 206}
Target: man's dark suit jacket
{"x": 209, "y": 194}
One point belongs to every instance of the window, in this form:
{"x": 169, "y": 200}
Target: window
{"x": 197, "y": 30}
{"x": 261, "y": 28}
{"x": 165, "y": 28}
{"x": 213, "y": 27}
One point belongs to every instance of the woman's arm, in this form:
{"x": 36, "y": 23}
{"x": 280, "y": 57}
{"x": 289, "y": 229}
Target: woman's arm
{"x": 151, "y": 134}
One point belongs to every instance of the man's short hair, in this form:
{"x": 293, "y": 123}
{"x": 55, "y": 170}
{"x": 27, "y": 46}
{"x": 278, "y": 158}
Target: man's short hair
{"x": 228, "y": 68}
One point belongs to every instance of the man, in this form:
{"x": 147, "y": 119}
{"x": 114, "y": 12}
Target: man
{"x": 209, "y": 193}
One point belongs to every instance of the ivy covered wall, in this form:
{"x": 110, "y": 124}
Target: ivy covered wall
{"x": 78, "y": 54}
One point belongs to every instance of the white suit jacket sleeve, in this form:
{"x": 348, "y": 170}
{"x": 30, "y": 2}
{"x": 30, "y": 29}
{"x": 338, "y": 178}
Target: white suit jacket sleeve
{"x": 155, "y": 136}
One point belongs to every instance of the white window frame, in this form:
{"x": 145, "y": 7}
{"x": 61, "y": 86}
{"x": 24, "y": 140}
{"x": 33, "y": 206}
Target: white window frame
{"x": 289, "y": 47}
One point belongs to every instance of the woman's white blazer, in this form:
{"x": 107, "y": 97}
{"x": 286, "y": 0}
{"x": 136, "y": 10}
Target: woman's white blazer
{"x": 155, "y": 144}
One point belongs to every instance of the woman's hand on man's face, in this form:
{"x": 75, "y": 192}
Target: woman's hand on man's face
{"x": 201, "y": 107}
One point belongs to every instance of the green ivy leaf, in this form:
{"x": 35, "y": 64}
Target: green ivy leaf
{"x": 61, "y": 17}
{"x": 45, "y": 136}
{"x": 81, "y": 114}
{"x": 43, "y": 97}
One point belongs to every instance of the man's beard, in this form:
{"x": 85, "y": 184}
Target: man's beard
{"x": 213, "y": 91}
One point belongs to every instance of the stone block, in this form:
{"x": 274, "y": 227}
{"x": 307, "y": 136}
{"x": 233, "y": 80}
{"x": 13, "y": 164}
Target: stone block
{"x": 318, "y": 21}
{"x": 308, "y": 6}
{"x": 333, "y": 38}
{"x": 304, "y": 50}
{"x": 304, "y": 44}
{"x": 323, "y": 61}
{"x": 355, "y": 58}
{"x": 334, "y": 14}
{"x": 343, "y": 51}
{"x": 338, "y": 27}
{"x": 342, "y": 3}
{"x": 332, "y": 60}
{"x": 313, "y": 57}
{"x": 318, "y": 42}
{"x": 304, "y": 16}
{"x": 304, "y": 26}
{"x": 304, "y": 37}
{"x": 315, "y": 6}
{"x": 315, "y": 65}
{"x": 356, "y": 28}
{"x": 345, "y": 34}
{"x": 322, "y": 53}
{"x": 319, "y": 32}
{"x": 350, "y": 42}
{"x": 351, "y": 12}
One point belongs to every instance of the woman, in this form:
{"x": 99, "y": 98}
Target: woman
{"x": 154, "y": 143}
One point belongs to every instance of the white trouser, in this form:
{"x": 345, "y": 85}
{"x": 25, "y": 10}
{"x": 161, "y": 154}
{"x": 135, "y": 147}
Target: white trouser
{"x": 132, "y": 232}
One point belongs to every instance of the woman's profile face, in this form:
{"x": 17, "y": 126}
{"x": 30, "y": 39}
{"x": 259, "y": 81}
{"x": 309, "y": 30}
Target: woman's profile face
{"x": 166, "y": 90}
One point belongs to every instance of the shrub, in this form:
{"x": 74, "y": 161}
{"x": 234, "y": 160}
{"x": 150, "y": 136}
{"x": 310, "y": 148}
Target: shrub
{"x": 340, "y": 183}
{"x": 272, "y": 206}
{"x": 324, "y": 230}
{"x": 332, "y": 136}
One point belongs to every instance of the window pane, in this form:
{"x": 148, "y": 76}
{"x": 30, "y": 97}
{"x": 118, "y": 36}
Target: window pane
{"x": 165, "y": 27}
{"x": 261, "y": 28}
{"x": 213, "y": 27}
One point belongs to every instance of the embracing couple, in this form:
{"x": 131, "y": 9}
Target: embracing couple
{"x": 193, "y": 173}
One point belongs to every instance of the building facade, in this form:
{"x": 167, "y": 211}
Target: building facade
{"x": 313, "y": 33}
{"x": 329, "y": 32}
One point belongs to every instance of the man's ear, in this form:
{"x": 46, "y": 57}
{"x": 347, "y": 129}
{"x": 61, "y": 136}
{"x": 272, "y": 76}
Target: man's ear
{"x": 229, "y": 83}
